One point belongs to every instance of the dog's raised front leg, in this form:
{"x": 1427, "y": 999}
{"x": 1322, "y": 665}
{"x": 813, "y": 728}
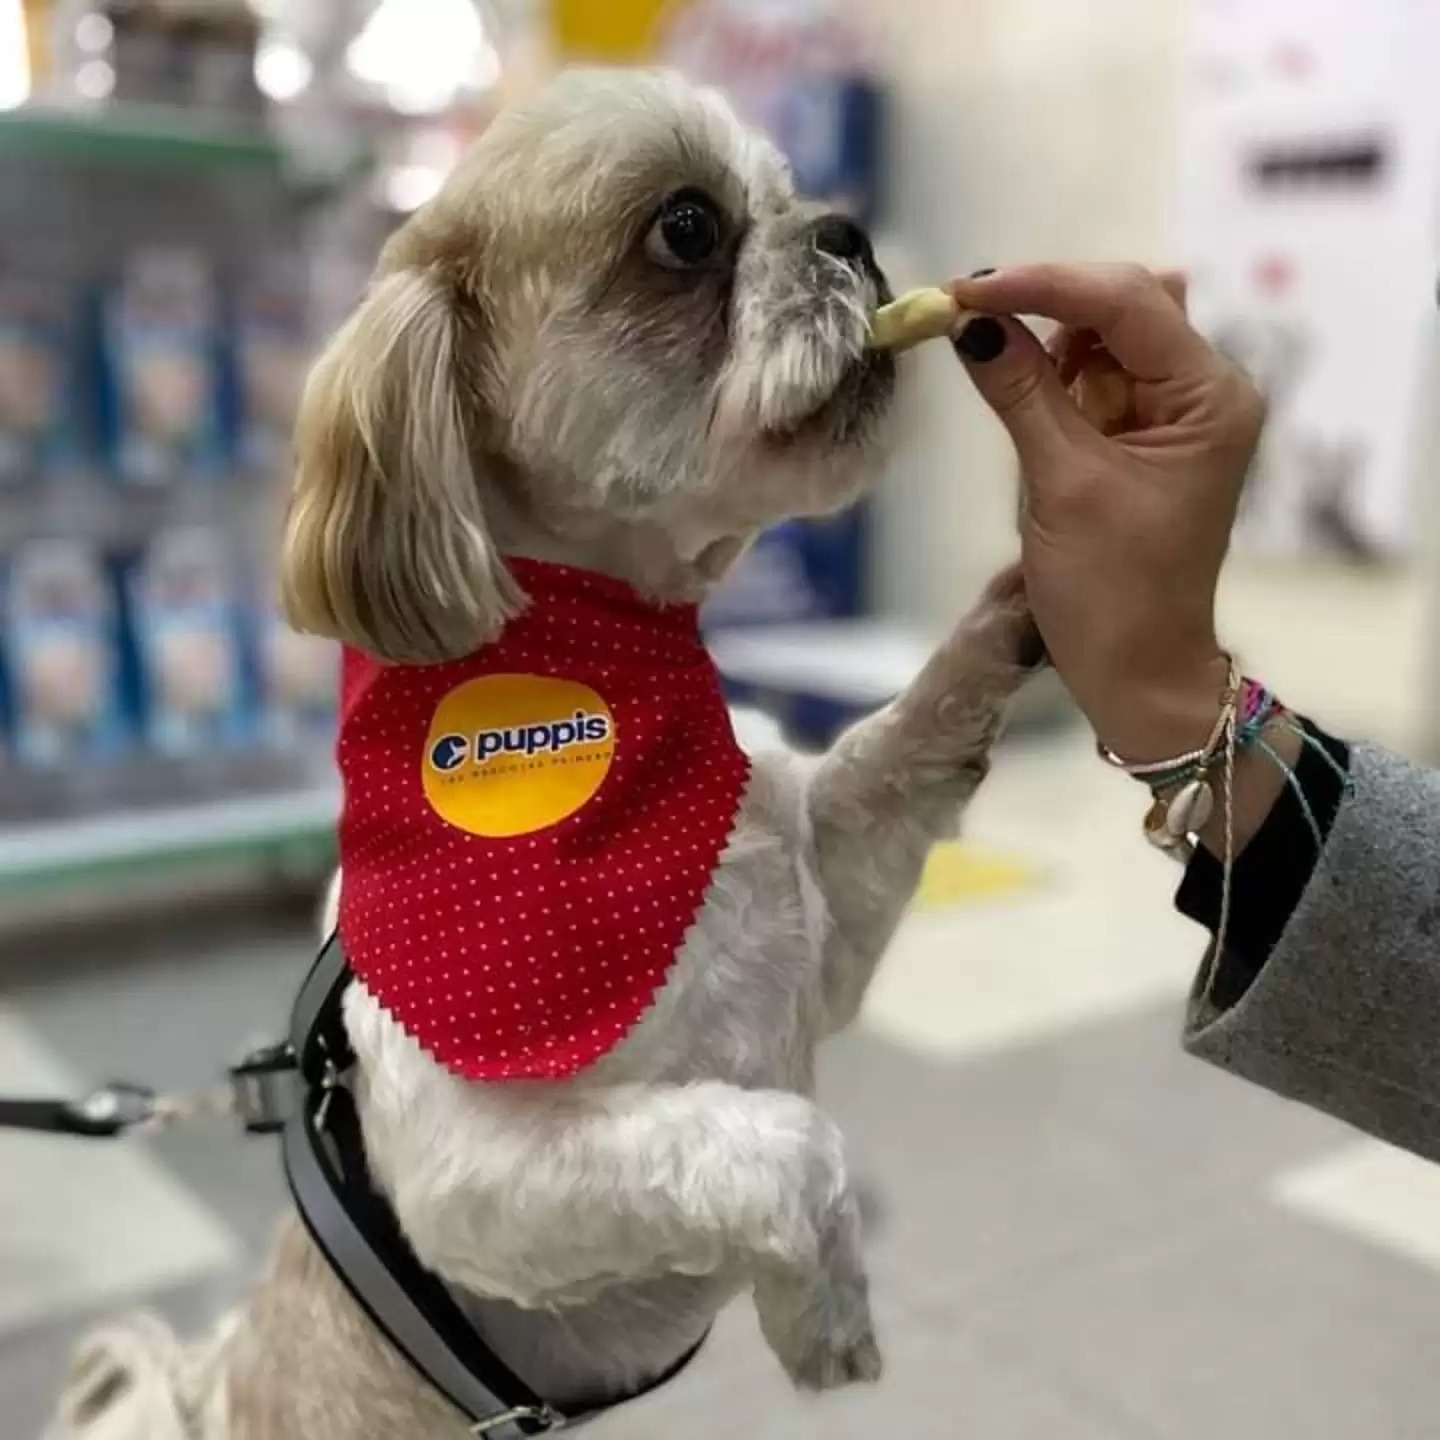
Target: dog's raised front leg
{"x": 898, "y": 782}
{"x": 545, "y": 1195}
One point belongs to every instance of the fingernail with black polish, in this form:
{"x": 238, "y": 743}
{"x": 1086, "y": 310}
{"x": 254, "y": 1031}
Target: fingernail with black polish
{"x": 982, "y": 340}
{"x": 981, "y": 274}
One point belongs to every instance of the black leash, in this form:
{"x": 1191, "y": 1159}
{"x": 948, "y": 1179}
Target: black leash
{"x": 301, "y": 1087}
{"x": 102, "y": 1115}
{"x": 257, "y": 1094}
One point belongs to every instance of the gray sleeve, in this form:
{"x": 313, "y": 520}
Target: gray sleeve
{"x": 1345, "y": 1014}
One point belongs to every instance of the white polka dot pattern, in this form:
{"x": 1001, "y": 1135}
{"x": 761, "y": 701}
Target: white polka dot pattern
{"x": 535, "y": 955}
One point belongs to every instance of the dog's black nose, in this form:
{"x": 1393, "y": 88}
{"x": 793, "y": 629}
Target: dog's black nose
{"x": 841, "y": 237}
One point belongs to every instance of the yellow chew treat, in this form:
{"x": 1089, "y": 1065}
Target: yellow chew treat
{"x": 1105, "y": 396}
{"x": 919, "y": 315}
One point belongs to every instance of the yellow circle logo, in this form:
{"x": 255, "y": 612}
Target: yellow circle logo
{"x": 511, "y": 754}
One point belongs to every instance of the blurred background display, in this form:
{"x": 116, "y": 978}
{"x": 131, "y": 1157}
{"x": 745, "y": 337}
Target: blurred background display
{"x": 192, "y": 196}
{"x": 1311, "y": 138}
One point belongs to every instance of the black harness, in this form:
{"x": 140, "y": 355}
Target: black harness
{"x": 301, "y": 1089}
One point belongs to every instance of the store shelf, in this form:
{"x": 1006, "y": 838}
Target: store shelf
{"x": 863, "y": 663}
{"x": 134, "y": 135}
{"x": 291, "y": 827}
{"x": 850, "y": 667}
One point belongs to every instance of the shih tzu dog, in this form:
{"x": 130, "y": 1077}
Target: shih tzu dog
{"x": 597, "y": 944}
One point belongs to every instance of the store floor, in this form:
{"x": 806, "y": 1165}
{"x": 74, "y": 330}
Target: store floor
{"x": 1080, "y": 1232}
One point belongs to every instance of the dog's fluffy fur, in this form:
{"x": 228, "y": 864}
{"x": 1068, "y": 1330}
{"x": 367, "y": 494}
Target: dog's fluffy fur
{"x": 533, "y": 374}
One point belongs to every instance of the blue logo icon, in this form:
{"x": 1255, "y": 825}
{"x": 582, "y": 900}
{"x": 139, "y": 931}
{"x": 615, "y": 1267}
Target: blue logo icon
{"x": 449, "y": 752}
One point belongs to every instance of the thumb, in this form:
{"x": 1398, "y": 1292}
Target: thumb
{"x": 1016, "y": 378}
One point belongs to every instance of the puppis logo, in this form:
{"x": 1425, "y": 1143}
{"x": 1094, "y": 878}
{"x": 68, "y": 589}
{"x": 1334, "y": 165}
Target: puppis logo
{"x": 549, "y": 738}
{"x": 512, "y": 754}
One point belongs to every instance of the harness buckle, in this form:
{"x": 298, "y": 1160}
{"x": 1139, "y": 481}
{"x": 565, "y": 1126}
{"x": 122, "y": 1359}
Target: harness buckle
{"x": 545, "y": 1416}
{"x": 331, "y": 1078}
{"x": 263, "y": 1088}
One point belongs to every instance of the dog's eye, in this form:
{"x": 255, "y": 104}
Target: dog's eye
{"x": 687, "y": 232}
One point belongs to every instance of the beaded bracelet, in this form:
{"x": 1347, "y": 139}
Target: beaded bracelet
{"x": 1172, "y": 822}
{"x": 1183, "y": 787}
{"x": 1202, "y": 757}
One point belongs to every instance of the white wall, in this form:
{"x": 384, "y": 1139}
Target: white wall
{"x": 1022, "y": 129}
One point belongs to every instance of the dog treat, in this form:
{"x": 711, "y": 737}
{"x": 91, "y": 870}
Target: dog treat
{"x": 1105, "y": 396}
{"x": 918, "y": 315}
{"x": 1103, "y": 392}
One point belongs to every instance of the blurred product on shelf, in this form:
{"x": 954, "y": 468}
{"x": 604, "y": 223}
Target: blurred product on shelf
{"x": 185, "y": 607}
{"x": 36, "y": 322}
{"x": 298, "y": 678}
{"x": 159, "y": 376}
{"x": 156, "y": 313}
{"x": 189, "y": 54}
{"x": 162, "y": 360}
{"x": 274, "y": 344}
{"x": 60, "y": 626}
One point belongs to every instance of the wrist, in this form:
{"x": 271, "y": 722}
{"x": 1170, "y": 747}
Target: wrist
{"x": 1145, "y": 719}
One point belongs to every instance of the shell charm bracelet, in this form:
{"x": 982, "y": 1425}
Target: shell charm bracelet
{"x": 1184, "y": 787}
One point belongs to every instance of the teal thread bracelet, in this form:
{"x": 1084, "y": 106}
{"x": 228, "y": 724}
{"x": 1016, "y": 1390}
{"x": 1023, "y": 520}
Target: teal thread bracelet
{"x": 1292, "y": 780}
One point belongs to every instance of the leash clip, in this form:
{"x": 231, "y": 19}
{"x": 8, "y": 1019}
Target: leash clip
{"x": 112, "y": 1110}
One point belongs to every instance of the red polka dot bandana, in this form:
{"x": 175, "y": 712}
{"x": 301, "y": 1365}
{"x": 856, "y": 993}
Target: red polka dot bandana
{"x": 528, "y": 833}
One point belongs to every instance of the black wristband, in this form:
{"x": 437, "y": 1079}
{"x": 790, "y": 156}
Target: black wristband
{"x": 1273, "y": 872}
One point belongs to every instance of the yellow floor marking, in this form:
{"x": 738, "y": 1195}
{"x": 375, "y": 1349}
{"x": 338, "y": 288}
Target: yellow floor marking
{"x": 960, "y": 874}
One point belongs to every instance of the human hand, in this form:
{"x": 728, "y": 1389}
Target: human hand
{"x": 1123, "y": 533}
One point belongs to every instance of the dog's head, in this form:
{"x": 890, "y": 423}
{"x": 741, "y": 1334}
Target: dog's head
{"x": 615, "y": 339}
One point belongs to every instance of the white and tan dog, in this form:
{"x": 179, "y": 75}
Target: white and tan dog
{"x": 616, "y": 341}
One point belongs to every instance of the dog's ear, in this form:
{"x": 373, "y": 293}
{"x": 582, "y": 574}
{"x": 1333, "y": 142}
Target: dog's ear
{"x": 386, "y": 545}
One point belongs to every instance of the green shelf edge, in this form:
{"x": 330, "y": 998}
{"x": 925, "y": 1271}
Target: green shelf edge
{"x": 286, "y": 829}
{"x": 132, "y": 136}
{"x": 313, "y": 848}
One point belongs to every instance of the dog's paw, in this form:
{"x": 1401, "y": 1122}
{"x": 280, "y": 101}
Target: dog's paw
{"x": 819, "y": 1324}
{"x": 832, "y": 1363}
{"x": 997, "y": 643}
